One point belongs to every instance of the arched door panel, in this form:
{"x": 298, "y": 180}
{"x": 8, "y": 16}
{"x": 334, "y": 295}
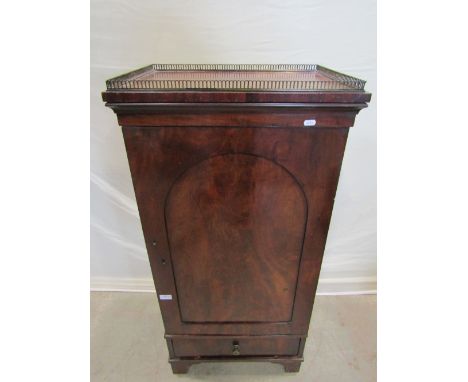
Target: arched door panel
{"x": 235, "y": 226}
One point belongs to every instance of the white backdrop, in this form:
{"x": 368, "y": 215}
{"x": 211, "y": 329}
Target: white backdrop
{"x": 125, "y": 35}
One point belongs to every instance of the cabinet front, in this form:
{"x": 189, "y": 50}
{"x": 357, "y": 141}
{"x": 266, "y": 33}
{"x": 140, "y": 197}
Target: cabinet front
{"x": 235, "y": 221}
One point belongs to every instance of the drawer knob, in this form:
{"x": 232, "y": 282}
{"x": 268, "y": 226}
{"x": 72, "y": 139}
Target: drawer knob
{"x": 235, "y": 348}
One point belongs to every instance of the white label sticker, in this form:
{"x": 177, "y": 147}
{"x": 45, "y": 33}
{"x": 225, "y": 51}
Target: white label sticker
{"x": 165, "y": 296}
{"x": 310, "y": 122}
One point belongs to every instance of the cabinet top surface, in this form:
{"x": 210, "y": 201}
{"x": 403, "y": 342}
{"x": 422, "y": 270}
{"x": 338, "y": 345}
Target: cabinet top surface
{"x": 236, "y": 77}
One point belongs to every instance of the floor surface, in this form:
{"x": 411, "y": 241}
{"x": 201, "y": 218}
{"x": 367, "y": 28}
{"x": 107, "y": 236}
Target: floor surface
{"x": 127, "y": 344}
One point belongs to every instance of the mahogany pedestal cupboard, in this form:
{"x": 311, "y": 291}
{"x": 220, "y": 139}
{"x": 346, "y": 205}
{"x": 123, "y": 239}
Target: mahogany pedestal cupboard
{"x": 235, "y": 169}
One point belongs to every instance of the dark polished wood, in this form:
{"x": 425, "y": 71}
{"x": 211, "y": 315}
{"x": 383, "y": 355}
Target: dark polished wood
{"x": 309, "y": 160}
{"x": 236, "y": 347}
{"x": 246, "y": 214}
{"x": 233, "y": 97}
{"x": 268, "y": 115}
{"x": 235, "y": 202}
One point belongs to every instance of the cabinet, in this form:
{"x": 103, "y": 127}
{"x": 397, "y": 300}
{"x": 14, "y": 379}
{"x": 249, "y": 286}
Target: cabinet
{"x": 235, "y": 169}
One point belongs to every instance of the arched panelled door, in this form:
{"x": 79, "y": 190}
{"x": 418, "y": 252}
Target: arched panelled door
{"x": 235, "y": 226}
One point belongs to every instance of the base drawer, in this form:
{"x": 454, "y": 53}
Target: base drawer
{"x": 232, "y": 346}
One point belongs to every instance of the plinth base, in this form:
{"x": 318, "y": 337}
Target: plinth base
{"x": 182, "y": 365}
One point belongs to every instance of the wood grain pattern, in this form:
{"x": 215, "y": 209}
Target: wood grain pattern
{"x": 158, "y": 156}
{"x": 233, "y": 97}
{"x": 281, "y": 116}
{"x": 263, "y": 346}
{"x": 236, "y": 226}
